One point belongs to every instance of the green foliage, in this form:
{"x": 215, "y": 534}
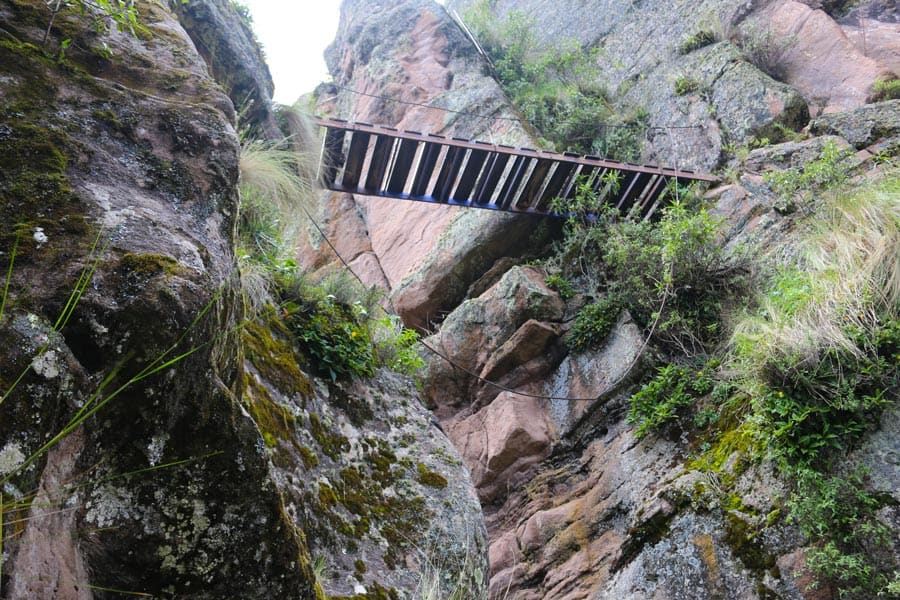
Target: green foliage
{"x": 695, "y": 41}
{"x": 593, "y": 324}
{"x": 334, "y": 334}
{"x": 558, "y": 283}
{"x": 122, "y": 13}
{"x": 830, "y": 170}
{"x": 886, "y": 89}
{"x": 673, "y": 388}
{"x": 820, "y": 360}
{"x": 558, "y": 89}
{"x": 396, "y": 347}
{"x": 672, "y": 275}
{"x": 686, "y": 85}
{"x": 334, "y": 322}
{"x": 821, "y": 353}
{"x": 852, "y": 546}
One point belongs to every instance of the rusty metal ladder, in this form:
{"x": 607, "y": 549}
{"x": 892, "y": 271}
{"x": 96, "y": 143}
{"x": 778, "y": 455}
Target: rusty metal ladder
{"x": 365, "y": 159}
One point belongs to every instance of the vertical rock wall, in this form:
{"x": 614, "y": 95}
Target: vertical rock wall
{"x": 119, "y": 161}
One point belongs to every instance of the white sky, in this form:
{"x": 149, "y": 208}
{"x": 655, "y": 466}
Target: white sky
{"x": 294, "y": 33}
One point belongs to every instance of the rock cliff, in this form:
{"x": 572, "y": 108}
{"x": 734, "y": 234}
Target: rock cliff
{"x": 159, "y": 437}
{"x": 409, "y": 65}
{"x": 154, "y": 438}
{"x": 576, "y": 505}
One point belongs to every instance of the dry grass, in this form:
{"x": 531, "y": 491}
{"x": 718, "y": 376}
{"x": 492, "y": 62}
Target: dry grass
{"x": 849, "y": 284}
{"x": 277, "y": 198}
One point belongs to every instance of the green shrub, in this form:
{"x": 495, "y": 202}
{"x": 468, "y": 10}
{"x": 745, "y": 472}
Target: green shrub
{"x": 695, "y": 41}
{"x": 686, "y": 85}
{"x": 396, "y": 347}
{"x": 334, "y": 335}
{"x": 661, "y": 400}
{"x": 886, "y": 89}
{"x": 851, "y": 545}
{"x": 593, "y": 324}
{"x": 672, "y": 275}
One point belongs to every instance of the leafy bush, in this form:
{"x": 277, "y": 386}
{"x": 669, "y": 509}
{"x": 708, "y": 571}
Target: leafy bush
{"x": 334, "y": 322}
{"x": 396, "y": 347}
{"x": 593, "y": 324}
{"x": 852, "y": 546}
{"x": 672, "y": 275}
{"x": 673, "y": 388}
{"x": 886, "y": 89}
{"x": 334, "y": 335}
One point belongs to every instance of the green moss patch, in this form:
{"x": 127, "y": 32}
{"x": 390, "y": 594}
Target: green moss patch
{"x": 430, "y": 478}
{"x": 274, "y": 359}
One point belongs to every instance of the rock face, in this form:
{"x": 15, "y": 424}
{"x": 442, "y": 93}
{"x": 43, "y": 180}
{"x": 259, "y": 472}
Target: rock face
{"x": 819, "y": 63}
{"x": 576, "y": 506}
{"x": 119, "y": 165}
{"x": 383, "y": 498}
{"x": 157, "y": 442}
{"x": 228, "y": 45}
{"x": 411, "y": 67}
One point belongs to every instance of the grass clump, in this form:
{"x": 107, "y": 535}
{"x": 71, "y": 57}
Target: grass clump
{"x": 886, "y": 89}
{"x": 334, "y": 322}
{"x": 686, "y": 85}
{"x": 696, "y": 40}
{"x": 820, "y": 361}
{"x": 821, "y": 352}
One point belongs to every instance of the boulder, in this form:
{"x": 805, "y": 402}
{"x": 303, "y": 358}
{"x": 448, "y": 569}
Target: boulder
{"x": 863, "y": 126}
{"x": 227, "y": 43}
{"x": 473, "y": 333}
{"x": 817, "y": 57}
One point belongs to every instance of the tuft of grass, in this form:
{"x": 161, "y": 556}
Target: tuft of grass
{"x": 886, "y": 89}
{"x": 277, "y": 198}
{"x": 821, "y": 356}
{"x": 439, "y": 581}
{"x": 686, "y": 85}
{"x": 696, "y": 40}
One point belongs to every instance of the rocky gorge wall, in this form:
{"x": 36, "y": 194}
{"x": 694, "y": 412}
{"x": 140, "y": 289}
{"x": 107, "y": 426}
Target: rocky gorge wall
{"x": 155, "y": 439}
{"x": 233, "y": 469}
{"x": 576, "y": 505}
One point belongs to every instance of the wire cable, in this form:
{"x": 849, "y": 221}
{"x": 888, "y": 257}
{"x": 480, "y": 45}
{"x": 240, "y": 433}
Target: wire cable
{"x": 611, "y": 387}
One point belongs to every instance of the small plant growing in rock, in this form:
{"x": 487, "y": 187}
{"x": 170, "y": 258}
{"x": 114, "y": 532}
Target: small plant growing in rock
{"x": 828, "y": 171}
{"x": 594, "y": 323}
{"x": 561, "y": 285}
{"x": 695, "y": 41}
{"x": 660, "y": 401}
{"x": 886, "y": 89}
{"x": 686, "y": 85}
